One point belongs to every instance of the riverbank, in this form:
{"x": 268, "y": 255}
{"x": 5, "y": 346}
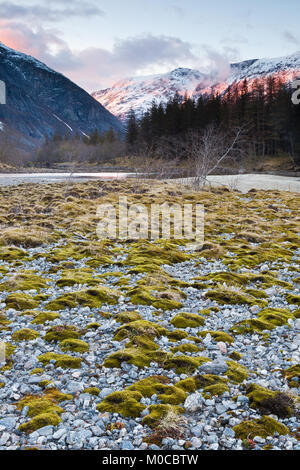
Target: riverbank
{"x": 130, "y": 345}
{"x": 243, "y": 183}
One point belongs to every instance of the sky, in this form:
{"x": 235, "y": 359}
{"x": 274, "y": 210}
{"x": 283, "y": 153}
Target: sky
{"x": 98, "y": 42}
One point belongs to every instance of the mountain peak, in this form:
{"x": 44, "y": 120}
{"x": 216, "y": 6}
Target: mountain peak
{"x": 42, "y": 102}
{"x": 138, "y": 93}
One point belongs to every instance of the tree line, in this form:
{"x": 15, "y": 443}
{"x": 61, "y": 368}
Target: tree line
{"x": 263, "y": 107}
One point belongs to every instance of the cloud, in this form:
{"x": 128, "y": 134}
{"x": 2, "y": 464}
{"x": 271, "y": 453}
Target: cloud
{"x": 95, "y": 68}
{"x": 43, "y": 12}
{"x": 216, "y": 63}
{"x": 290, "y": 37}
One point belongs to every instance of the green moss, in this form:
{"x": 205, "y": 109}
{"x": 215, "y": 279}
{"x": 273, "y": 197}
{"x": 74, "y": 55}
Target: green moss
{"x": 93, "y": 326}
{"x": 92, "y": 391}
{"x": 59, "y": 333}
{"x": 188, "y": 385}
{"x": 10, "y": 253}
{"x": 126, "y": 403}
{"x": 235, "y": 355}
{"x": 236, "y": 372}
{"x": 148, "y": 256}
{"x": 20, "y": 301}
{"x": 41, "y": 297}
{"x": 2, "y": 385}
{"x": 127, "y": 317}
{"x": 72, "y": 277}
{"x": 37, "y": 370}
{"x": 139, "y": 327}
{"x": 185, "y": 364}
{"x": 206, "y": 381}
{"x": 186, "y": 347}
{"x": 185, "y": 320}
{"x": 57, "y": 396}
{"x": 142, "y": 342}
{"x": 252, "y": 326}
{"x": 258, "y": 294}
{"x": 268, "y": 401}
{"x": 291, "y": 373}
{"x": 24, "y": 281}
{"x": 42, "y": 317}
{"x": 158, "y": 412}
{"x": 217, "y": 389}
{"x": 141, "y": 295}
{"x": 93, "y": 298}
{"x": 296, "y": 313}
{"x": 157, "y": 385}
{"x": 176, "y": 335}
{"x": 293, "y": 299}
{"x": 262, "y": 427}
{"x": 26, "y": 334}
{"x": 275, "y": 316}
{"x": 218, "y": 336}
{"x": 43, "y": 419}
{"x": 61, "y": 360}
{"x": 230, "y": 297}
{"x": 37, "y": 405}
{"x": 139, "y": 357}
{"x": 76, "y": 345}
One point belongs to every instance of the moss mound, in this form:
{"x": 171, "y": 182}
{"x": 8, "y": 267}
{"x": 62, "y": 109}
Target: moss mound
{"x": 93, "y": 298}
{"x": 168, "y": 394}
{"x": 24, "y": 281}
{"x": 127, "y": 317}
{"x": 269, "y": 402}
{"x": 62, "y": 332}
{"x": 39, "y": 421}
{"x": 185, "y": 364}
{"x": 20, "y": 301}
{"x": 230, "y": 297}
{"x": 126, "y": 403}
{"x": 168, "y": 300}
{"x": 76, "y": 345}
{"x": 236, "y": 372}
{"x": 43, "y": 317}
{"x": 184, "y": 320}
{"x": 293, "y": 299}
{"x": 25, "y": 334}
{"x": 92, "y": 391}
{"x": 263, "y": 427}
{"x": 61, "y": 360}
{"x": 140, "y": 327}
{"x": 139, "y": 357}
{"x": 218, "y": 336}
{"x": 157, "y": 413}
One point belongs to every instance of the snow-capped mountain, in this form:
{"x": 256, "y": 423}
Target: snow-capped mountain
{"x": 41, "y": 102}
{"x": 138, "y": 93}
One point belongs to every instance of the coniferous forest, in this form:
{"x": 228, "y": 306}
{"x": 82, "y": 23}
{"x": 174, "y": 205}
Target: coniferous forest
{"x": 263, "y": 108}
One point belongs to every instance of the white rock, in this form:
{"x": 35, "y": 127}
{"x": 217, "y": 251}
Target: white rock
{"x": 194, "y": 402}
{"x": 222, "y": 347}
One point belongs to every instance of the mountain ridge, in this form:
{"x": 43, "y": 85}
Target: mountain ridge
{"x": 138, "y": 93}
{"x": 41, "y": 102}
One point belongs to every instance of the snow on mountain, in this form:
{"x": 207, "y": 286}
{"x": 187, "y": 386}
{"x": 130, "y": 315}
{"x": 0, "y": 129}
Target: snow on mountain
{"x": 138, "y": 93}
{"x": 41, "y": 102}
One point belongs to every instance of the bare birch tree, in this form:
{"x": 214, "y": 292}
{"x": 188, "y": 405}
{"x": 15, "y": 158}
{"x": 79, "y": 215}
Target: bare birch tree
{"x": 209, "y": 149}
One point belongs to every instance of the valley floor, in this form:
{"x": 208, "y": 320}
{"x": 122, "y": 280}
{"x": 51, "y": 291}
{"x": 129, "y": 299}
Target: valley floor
{"x": 149, "y": 345}
{"x": 242, "y": 182}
